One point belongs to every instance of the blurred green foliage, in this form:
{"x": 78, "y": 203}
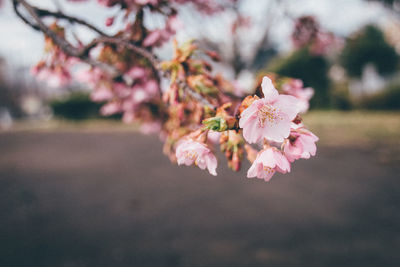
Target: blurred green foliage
{"x": 312, "y": 69}
{"x": 387, "y": 99}
{"x": 340, "y": 96}
{"x": 388, "y": 3}
{"x": 368, "y": 46}
{"x": 76, "y": 106}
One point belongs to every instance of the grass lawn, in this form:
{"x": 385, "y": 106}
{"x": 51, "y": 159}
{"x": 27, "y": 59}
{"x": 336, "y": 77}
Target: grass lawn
{"x": 355, "y": 127}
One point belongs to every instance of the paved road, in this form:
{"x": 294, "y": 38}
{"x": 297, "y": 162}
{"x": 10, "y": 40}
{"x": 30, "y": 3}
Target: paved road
{"x": 70, "y": 198}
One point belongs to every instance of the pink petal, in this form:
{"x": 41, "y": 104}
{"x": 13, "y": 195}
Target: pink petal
{"x": 152, "y": 38}
{"x": 266, "y": 175}
{"x": 267, "y": 158}
{"x": 211, "y": 162}
{"x": 293, "y": 151}
{"x": 110, "y": 108}
{"x": 282, "y": 164}
{"x": 268, "y": 89}
{"x": 251, "y": 132}
{"x": 288, "y": 105}
{"x": 253, "y": 170}
{"x": 249, "y": 113}
{"x": 278, "y": 130}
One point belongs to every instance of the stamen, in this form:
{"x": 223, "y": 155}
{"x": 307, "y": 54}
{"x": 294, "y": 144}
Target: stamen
{"x": 268, "y": 170}
{"x": 190, "y": 155}
{"x": 268, "y": 113}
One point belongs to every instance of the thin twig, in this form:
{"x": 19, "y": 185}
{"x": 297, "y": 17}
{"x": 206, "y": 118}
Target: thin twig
{"x": 125, "y": 43}
{"x": 60, "y": 15}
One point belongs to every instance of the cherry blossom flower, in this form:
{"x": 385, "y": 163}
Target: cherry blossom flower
{"x": 157, "y": 37}
{"x": 295, "y": 88}
{"x": 110, "y": 108}
{"x": 136, "y": 72}
{"x": 90, "y": 76}
{"x": 109, "y": 21}
{"x": 269, "y": 117}
{"x": 268, "y": 161}
{"x": 213, "y": 137}
{"x": 190, "y": 151}
{"x": 150, "y": 127}
{"x": 55, "y": 77}
{"x": 101, "y": 94}
{"x": 300, "y": 144}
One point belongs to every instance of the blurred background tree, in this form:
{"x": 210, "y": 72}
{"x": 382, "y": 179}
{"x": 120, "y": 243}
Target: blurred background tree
{"x": 368, "y": 46}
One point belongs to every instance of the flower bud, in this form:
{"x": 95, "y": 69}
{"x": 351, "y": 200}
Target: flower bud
{"x": 109, "y": 21}
{"x": 236, "y": 161}
{"x": 213, "y": 55}
{"x": 217, "y": 124}
{"x": 247, "y": 102}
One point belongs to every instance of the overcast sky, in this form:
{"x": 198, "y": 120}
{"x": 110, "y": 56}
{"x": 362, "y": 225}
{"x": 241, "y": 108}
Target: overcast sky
{"x": 22, "y": 46}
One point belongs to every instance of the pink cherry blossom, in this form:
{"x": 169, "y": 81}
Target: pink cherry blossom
{"x": 55, "y": 77}
{"x": 301, "y": 144}
{"x": 150, "y": 127}
{"x": 268, "y": 161}
{"x": 136, "y": 72}
{"x": 295, "y": 88}
{"x": 174, "y": 24}
{"x": 146, "y": 2}
{"x": 269, "y": 117}
{"x": 109, "y": 21}
{"x": 121, "y": 90}
{"x": 108, "y": 3}
{"x": 110, "y": 108}
{"x": 90, "y": 76}
{"x": 101, "y": 94}
{"x": 157, "y": 37}
{"x": 190, "y": 151}
{"x": 128, "y": 117}
{"x": 213, "y": 137}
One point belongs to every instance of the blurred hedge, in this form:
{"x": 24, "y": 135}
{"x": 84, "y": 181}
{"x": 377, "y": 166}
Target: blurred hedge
{"x": 76, "y": 106}
{"x": 388, "y": 99}
{"x": 340, "y": 96}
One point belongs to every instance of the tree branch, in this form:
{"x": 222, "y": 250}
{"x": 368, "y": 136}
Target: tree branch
{"x": 83, "y": 54}
{"x": 58, "y": 40}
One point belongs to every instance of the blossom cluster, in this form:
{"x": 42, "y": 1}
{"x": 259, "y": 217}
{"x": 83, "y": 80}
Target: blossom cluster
{"x": 271, "y": 122}
{"x": 199, "y": 110}
{"x": 55, "y": 67}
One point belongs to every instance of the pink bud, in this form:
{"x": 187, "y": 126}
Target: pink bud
{"x": 109, "y": 21}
